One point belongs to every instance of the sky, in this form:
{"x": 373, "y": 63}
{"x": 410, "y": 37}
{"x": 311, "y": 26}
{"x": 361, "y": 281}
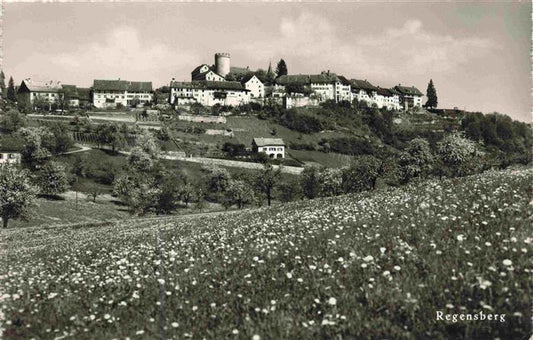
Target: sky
{"x": 478, "y": 54}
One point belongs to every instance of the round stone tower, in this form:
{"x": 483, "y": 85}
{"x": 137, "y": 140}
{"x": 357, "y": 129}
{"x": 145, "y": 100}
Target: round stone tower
{"x": 222, "y": 63}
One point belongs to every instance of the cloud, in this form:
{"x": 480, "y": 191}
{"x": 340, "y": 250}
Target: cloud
{"x": 123, "y": 53}
{"x": 400, "y": 52}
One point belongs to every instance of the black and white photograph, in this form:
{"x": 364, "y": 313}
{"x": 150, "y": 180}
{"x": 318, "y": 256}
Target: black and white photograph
{"x": 266, "y": 170}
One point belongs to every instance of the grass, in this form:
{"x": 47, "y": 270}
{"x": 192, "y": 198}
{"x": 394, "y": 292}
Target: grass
{"x": 373, "y": 265}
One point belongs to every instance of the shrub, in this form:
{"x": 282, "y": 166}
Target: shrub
{"x": 350, "y": 146}
{"x": 458, "y": 155}
{"x": 362, "y": 174}
{"x": 416, "y": 160}
{"x": 301, "y": 121}
{"x": 52, "y": 179}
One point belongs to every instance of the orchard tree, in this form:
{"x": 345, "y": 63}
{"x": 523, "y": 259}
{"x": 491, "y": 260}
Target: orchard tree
{"x": 289, "y": 190}
{"x": 267, "y": 179}
{"x": 34, "y": 152}
{"x": 310, "y": 182}
{"x": 458, "y": 155}
{"x": 281, "y": 69}
{"x": 16, "y": 193}
{"x": 187, "y": 193}
{"x": 362, "y": 174}
{"x": 416, "y": 160}
{"x": 240, "y": 193}
{"x": 12, "y": 121}
{"x": 52, "y": 179}
{"x": 431, "y": 93}
{"x": 331, "y": 182}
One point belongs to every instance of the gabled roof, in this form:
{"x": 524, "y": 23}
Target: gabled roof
{"x": 202, "y": 76}
{"x": 344, "y": 80}
{"x": 362, "y": 85}
{"x": 197, "y": 69}
{"x": 209, "y": 85}
{"x": 38, "y": 86}
{"x": 268, "y": 141}
{"x": 410, "y": 91}
{"x": 122, "y": 85}
{"x": 248, "y": 77}
{"x": 323, "y": 78}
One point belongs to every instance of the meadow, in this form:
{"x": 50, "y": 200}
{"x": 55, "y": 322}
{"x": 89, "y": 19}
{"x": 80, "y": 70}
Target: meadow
{"x": 371, "y": 265}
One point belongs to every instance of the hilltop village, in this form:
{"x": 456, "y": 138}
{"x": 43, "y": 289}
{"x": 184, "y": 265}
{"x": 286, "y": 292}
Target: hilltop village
{"x": 225, "y": 85}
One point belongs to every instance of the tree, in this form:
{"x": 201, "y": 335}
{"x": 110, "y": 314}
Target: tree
{"x": 34, "y": 152}
{"x": 281, "y": 69}
{"x": 459, "y": 155}
{"x": 216, "y": 181}
{"x": 139, "y": 192}
{"x": 431, "y": 93}
{"x": 52, "y": 179}
{"x": 267, "y": 179}
{"x": 362, "y": 174}
{"x": 12, "y": 121}
{"x": 310, "y": 182}
{"x": 16, "y": 193}
{"x": 2, "y": 83}
{"x": 11, "y": 94}
{"x": 289, "y": 190}
{"x": 240, "y": 193}
{"x": 331, "y": 182}
{"x": 187, "y": 193}
{"x": 416, "y": 160}
{"x": 94, "y": 191}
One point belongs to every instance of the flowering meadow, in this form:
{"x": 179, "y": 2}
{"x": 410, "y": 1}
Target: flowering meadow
{"x": 367, "y": 266}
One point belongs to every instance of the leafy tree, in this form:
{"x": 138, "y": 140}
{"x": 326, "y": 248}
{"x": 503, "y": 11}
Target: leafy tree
{"x": 52, "y": 179}
{"x": 330, "y": 182}
{"x": 267, "y": 179}
{"x": 16, "y": 193}
{"x": 94, "y": 191}
{"x": 187, "y": 193}
{"x": 62, "y": 138}
{"x": 431, "y": 93}
{"x": 458, "y": 155}
{"x": 216, "y": 181}
{"x": 240, "y": 193}
{"x": 34, "y": 152}
{"x": 139, "y": 192}
{"x": 11, "y": 94}
{"x": 109, "y": 134}
{"x": 416, "y": 160}
{"x": 310, "y": 182}
{"x": 362, "y": 174}
{"x": 289, "y": 190}
{"x": 281, "y": 69}
{"x": 12, "y": 121}
{"x": 139, "y": 160}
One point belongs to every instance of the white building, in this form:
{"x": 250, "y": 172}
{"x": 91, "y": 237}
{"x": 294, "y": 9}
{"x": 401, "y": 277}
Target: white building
{"x": 29, "y": 91}
{"x": 389, "y": 98}
{"x": 409, "y": 96}
{"x": 208, "y": 93}
{"x": 255, "y": 86}
{"x": 273, "y": 147}
{"x": 204, "y": 72}
{"x": 363, "y": 91}
{"x": 9, "y": 157}
{"x": 110, "y": 93}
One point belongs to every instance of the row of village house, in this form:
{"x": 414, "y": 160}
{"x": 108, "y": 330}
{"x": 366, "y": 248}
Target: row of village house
{"x": 210, "y": 85}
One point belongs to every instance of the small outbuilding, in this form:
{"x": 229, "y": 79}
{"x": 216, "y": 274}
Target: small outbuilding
{"x": 273, "y": 147}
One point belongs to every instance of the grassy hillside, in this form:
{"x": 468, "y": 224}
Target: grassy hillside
{"x": 374, "y": 265}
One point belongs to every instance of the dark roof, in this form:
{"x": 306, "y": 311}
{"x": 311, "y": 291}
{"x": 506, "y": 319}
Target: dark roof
{"x": 122, "y": 85}
{"x": 268, "y": 141}
{"x": 304, "y": 79}
{"x": 344, "y": 80}
{"x": 201, "y": 76}
{"x": 406, "y": 90}
{"x": 236, "y": 70}
{"x": 197, "y": 69}
{"x": 387, "y": 92}
{"x": 84, "y": 93}
{"x": 70, "y": 91}
{"x": 210, "y": 85}
{"x": 37, "y": 86}
{"x": 362, "y": 85}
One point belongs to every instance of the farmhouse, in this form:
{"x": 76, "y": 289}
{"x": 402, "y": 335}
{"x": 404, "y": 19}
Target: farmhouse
{"x": 389, "y": 98}
{"x": 409, "y": 96}
{"x": 204, "y": 72}
{"x": 273, "y": 147}
{"x": 363, "y": 91}
{"x": 72, "y": 98}
{"x": 208, "y": 93}
{"x": 29, "y": 91}
{"x": 9, "y": 157}
{"x": 110, "y": 93}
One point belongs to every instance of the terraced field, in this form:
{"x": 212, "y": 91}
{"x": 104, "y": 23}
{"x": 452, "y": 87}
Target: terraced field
{"x": 373, "y": 265}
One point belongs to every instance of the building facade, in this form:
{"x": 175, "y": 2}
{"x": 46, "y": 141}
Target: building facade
{"x": 410, "y": 97}
{"x": 255, "y": 86}
{"x": 32, "y": 92}
{"x": 208, "y": 93}
{"x": 273, "y": 147}
{"x": 110, "y": 93}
